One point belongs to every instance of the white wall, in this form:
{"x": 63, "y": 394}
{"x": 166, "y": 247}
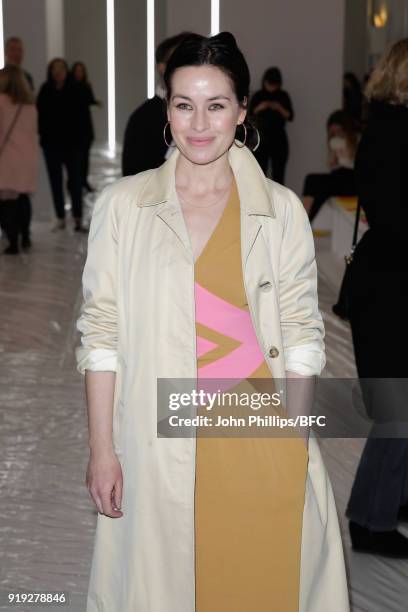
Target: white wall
{"x": 55, "y": 28}
{"x": 85, "y": 40}
{"x": 305, "y": 39}
{"x": 130, "y": 34}
{"x": 194, "y": 15}
{"x": 356, "y": 38}
{"x": 26, "y": 19}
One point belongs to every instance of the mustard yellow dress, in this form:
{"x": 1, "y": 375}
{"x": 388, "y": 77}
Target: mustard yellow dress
{"x": 249, "y": 491}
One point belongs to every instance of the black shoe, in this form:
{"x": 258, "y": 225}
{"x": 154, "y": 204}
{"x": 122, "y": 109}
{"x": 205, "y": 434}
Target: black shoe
{"x": 384, "y": 543}
{"x": 11, "y": 250}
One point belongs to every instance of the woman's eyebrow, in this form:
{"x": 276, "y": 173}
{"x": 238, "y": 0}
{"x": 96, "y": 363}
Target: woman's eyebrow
{"x": 220, "y": 97}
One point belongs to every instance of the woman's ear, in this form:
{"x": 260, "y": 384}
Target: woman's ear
{"x": 242, "y": 111}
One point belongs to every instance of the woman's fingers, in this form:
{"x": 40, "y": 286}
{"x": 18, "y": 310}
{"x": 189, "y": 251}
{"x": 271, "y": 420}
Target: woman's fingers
{"x": 104, "y": 481}
{"x": 106, "y": 498}
{"x": 117, "y": 494}
{"x": 96, "y": 499}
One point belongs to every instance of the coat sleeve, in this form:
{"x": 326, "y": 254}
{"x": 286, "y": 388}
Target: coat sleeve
{"x": 301, "y": 322}
{"x": 98, "y": 322}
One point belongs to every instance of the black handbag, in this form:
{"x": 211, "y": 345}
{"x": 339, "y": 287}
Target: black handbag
{"x": 342, "y": 306}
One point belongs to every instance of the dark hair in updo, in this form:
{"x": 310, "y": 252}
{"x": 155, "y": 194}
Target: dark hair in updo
{"x": 220, "y": 51}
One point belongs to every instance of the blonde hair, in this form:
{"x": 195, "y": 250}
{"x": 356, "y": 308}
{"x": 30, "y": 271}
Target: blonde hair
{"x": 389, "y": 80}
{"x": 14, "y": 84}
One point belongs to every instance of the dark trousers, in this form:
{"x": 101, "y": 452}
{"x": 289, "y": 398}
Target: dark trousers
{"x": 85, "y": 163}
{"x": 338, "y": 182}
{"x": 275, "y": 151}
{"x": 381, "y": 484}
{"x": 72, "y": 159}
{"x": 16, "y": 218}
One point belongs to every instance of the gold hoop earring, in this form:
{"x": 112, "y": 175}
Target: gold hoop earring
{"x": 242, "y": 145}
{"x": 164, "y": 135}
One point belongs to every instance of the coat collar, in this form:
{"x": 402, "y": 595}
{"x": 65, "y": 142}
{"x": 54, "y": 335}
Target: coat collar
{"x": 255, "y": 196}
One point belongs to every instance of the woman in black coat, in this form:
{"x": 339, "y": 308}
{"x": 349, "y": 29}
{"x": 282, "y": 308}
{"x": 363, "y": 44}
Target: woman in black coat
{"x": 59, "y": 105}
{"x": 379, "y": 310}
{"x": 270, "y": 108}
{"x": 80, "y": 76}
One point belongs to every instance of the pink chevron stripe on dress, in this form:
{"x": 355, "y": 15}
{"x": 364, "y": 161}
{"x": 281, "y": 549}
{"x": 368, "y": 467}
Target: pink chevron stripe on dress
{"x": 229, "y": 320}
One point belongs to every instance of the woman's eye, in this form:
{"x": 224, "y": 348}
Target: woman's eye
{"x": 183, "y": 106}
{"x": 216, "y": 106}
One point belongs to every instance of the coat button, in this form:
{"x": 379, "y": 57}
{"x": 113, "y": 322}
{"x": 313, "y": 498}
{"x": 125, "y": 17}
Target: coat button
{"x": 265, "y": 286}
{"x": 273, "y": 351}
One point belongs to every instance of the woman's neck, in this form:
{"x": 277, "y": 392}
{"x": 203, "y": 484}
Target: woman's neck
{"x": 201, "y": 179}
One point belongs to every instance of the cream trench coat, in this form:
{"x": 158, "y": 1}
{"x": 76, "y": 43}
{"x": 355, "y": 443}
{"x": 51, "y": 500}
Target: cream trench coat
{"x": 138, "y": 319}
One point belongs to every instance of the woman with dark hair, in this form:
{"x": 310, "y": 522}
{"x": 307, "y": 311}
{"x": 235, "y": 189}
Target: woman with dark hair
{"x": 271, "y": 107}
{"x": 59, "y": 104}
{"x": 86, "y": 129}
{"x": 203, "y": 269}
{"x": 18, "y": 156}
{"x": 378, "y": 311}
{"x": 342, "y": 140}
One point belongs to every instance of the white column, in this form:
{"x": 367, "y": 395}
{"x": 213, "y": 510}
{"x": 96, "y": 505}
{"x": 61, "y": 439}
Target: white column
{"x": 110, "y": 29}
{"x": 1, "y": 36}
{"x": 215, "y": 17}
{"x": 151, "y": 64}
{"x": 54, "y": 15}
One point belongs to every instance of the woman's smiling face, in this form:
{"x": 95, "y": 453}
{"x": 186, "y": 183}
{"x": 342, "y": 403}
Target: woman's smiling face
{"x": 204, "y": 112}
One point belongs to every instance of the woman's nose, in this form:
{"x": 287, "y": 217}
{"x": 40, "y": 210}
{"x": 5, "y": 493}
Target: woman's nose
{"x": 200, "y": 120}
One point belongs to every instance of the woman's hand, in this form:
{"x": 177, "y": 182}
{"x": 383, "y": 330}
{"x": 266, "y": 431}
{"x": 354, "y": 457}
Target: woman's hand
{"x": 261, "y": 107}
{"x": 104, "y": 481}
{"x": 276, "y": 106}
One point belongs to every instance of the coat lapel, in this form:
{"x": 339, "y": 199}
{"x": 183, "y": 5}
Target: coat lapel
{"x": 174, "y": 219}
{"x": 254, "y": 194}
{"x": 160, "y": 191}
{"x": 255, "y": 198}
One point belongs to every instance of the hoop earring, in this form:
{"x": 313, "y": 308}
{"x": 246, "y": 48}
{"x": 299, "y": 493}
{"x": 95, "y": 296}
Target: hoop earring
{"x": 242, "y": 145}
{"x": 164, "y": 135}
{"x": 258, "y": 140}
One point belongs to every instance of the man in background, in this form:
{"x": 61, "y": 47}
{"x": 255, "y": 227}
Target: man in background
{"x": 14, "y": 55}
{"x": 144, "y": 147}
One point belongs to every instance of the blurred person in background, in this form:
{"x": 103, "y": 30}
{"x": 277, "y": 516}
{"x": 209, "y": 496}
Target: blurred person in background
{"x": 60, "y": 104}
{"x": 342, "y": 140}
{"x": 80, "y": 76}
{"x": 352, "y": 96}
{"x": 271, "y": 107}
{"x": 143, "y": 146}
{"x": 14, "y": 56}
{"x": 18, "y": 156}
{"x": 378, "y": 311}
